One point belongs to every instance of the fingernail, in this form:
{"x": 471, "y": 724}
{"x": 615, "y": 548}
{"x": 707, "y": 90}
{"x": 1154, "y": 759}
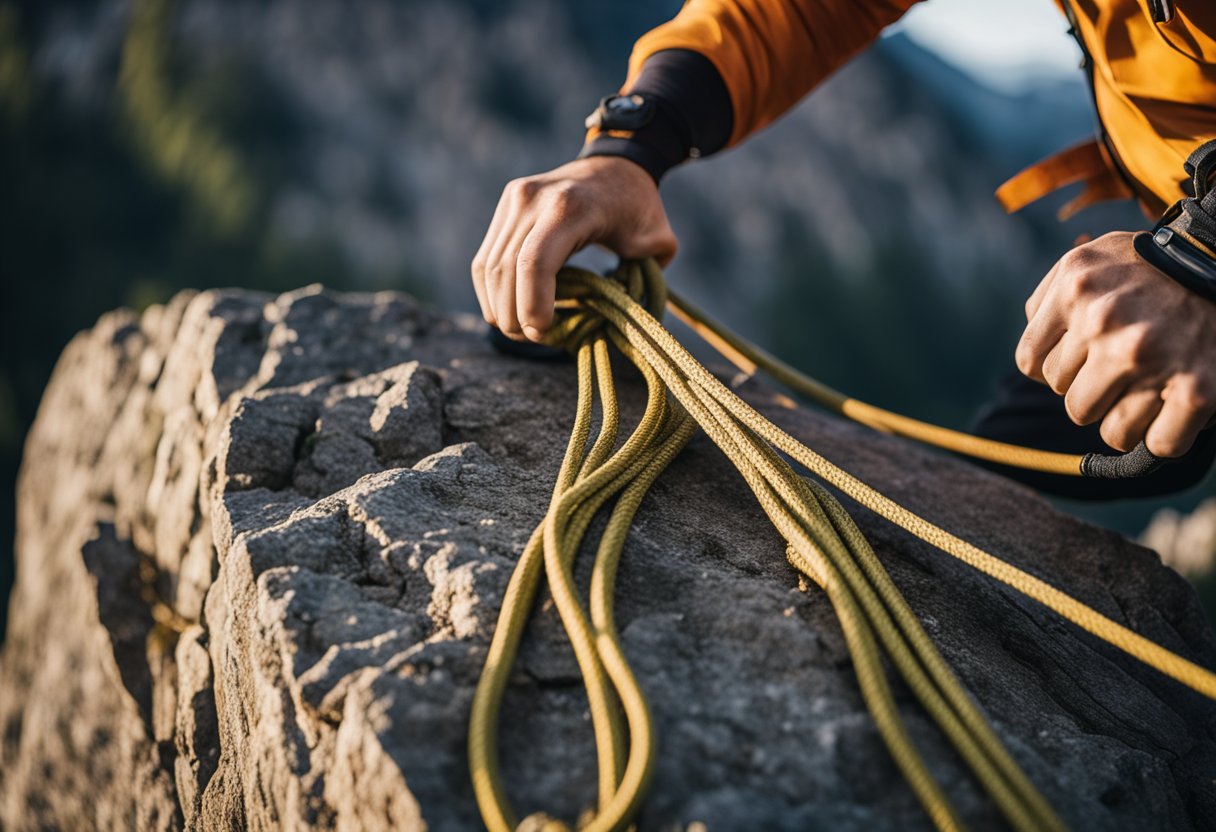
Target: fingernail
{"x": 533, "y": 333}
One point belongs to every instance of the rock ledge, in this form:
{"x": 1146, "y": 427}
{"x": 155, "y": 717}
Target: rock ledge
{"x": 262, "y": 543}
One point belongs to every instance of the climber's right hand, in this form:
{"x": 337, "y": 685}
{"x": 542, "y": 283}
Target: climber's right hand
{"x": 542, "y": 220}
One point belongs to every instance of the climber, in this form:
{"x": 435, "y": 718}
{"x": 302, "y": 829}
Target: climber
{"x": 1120, "y": 342}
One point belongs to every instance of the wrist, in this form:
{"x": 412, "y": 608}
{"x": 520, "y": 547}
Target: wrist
{"x": 1182, "y": 245}
{"x": 617, "y": 166}
{"x": 678, "y": 109}
{"x": 655, "y": 154}
{"x": 1180, "y": 259}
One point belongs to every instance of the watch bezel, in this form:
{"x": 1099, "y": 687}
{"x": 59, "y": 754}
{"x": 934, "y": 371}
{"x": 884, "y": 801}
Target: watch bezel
{"x": 606, "y": 117}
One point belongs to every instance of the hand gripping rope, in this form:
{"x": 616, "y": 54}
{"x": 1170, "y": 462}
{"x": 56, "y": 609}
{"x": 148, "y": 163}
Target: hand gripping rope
{"x": 822, "y": 543}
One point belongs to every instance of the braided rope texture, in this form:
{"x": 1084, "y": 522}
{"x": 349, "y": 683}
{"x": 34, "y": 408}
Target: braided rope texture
{"x": 823, "y": 543}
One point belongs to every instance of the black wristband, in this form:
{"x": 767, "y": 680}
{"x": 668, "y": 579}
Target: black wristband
{"x": 693, "y": 115}
{"x": 657, "y": 146}
{"x": 1175, "y": 257}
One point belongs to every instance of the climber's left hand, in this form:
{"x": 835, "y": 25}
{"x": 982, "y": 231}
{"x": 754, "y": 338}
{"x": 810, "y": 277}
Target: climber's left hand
{"x": 1124, "y": 344}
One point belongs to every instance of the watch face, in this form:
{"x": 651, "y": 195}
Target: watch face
{"x": 623, "y": 105}
{"x": 622, "y": 112}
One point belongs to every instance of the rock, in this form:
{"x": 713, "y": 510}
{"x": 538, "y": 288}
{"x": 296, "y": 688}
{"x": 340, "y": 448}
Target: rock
{"x": 263, "y": 542}
{"x": 1185, "y": 542}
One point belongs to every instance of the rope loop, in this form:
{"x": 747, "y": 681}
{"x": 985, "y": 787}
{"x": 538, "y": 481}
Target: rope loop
{"x": 577, "y": 323}
{"x": 822, "y": 541}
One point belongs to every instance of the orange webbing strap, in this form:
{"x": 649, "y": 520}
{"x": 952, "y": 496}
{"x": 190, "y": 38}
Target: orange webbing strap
{"x": 1088, "y": 162}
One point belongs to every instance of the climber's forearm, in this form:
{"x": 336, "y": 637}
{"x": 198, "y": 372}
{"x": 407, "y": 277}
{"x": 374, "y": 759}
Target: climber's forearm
{"x": 723, "y": 69}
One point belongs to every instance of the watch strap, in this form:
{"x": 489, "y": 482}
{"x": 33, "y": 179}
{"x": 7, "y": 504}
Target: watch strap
{"x": 693, "y": 115}
{"x": 1178, "y": 258}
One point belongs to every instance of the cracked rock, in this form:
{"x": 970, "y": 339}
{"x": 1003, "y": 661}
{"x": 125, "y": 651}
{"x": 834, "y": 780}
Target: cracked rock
{"x": 263, "y": 542}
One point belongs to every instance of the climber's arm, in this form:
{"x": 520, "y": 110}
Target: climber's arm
{"x": 718, "y": 72}
{"x": 723, "y": 69}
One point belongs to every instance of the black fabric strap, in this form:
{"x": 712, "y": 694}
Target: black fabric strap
{"x": 1195, "y": 216}
{"x": 1201, "y": 165}
{"x": 1178, "y": 260}
{"x": 693, "y": 117}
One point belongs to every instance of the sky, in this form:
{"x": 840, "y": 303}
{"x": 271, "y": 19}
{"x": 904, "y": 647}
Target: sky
{"x": 1004, "y": 43}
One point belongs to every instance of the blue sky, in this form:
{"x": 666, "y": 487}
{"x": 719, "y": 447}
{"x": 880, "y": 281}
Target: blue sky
{"x": 1004, "y": 43}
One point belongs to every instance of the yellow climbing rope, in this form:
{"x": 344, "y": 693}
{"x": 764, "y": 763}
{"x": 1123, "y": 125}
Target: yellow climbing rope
{"x": 749, "y": 358}
{"x": 823, "y": 543}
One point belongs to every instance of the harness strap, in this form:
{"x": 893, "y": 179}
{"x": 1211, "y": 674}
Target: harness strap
{"x": 1088, "y": 162}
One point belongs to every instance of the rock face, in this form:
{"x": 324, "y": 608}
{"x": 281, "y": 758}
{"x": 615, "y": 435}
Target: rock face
{"x": 263, "y": 541}
{"x": 1185, "y": 542}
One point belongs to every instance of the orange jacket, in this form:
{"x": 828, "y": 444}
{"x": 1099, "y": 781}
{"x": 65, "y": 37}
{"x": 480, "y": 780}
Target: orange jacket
{"x": 1154, "y": 80}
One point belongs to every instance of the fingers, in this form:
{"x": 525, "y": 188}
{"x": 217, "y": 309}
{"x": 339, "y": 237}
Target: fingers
{"x": 543, "y": 252}
{"x": 1096, "y": 388}
{"x": 1046, "y": 323}
{"x": 1036, "y": 298}
{"x": 478, "y": 270}
{"x": 534, "y": 231}
{"x": 1127, "y": 423}
{"x": 1063, "y": 291}
{"x": 1065, "y": 360}
{"x": 501, "y": 280}
{"x": 503, "y": 214}
{"x": 542, "y": 220}
{"x": 1042, "y": 334}
{"x": 1184, "y": 412}
{"x": 1123, "y": 346}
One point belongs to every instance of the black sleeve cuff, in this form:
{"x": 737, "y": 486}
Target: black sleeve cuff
{"x": 693, "y": 114}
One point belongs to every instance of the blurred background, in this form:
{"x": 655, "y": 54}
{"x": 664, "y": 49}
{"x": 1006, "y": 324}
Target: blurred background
{"x": 154, "y": 145}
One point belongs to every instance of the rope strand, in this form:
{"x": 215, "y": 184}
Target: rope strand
{"x": 823, "y": 543}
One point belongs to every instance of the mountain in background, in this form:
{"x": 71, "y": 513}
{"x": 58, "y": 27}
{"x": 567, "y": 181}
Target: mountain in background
{"x": 154, "y": 145}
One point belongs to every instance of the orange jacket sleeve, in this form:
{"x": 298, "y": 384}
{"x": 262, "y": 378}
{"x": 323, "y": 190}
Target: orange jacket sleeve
{"x": 770, "y": 53}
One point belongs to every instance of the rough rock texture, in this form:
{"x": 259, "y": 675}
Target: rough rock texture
{"x": 263, "y": 542}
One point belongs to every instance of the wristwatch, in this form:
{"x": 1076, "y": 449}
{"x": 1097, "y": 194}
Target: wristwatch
{"x": 621, "y": 112}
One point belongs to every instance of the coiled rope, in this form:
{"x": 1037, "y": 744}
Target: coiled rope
{"x": 823, "y": 543}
